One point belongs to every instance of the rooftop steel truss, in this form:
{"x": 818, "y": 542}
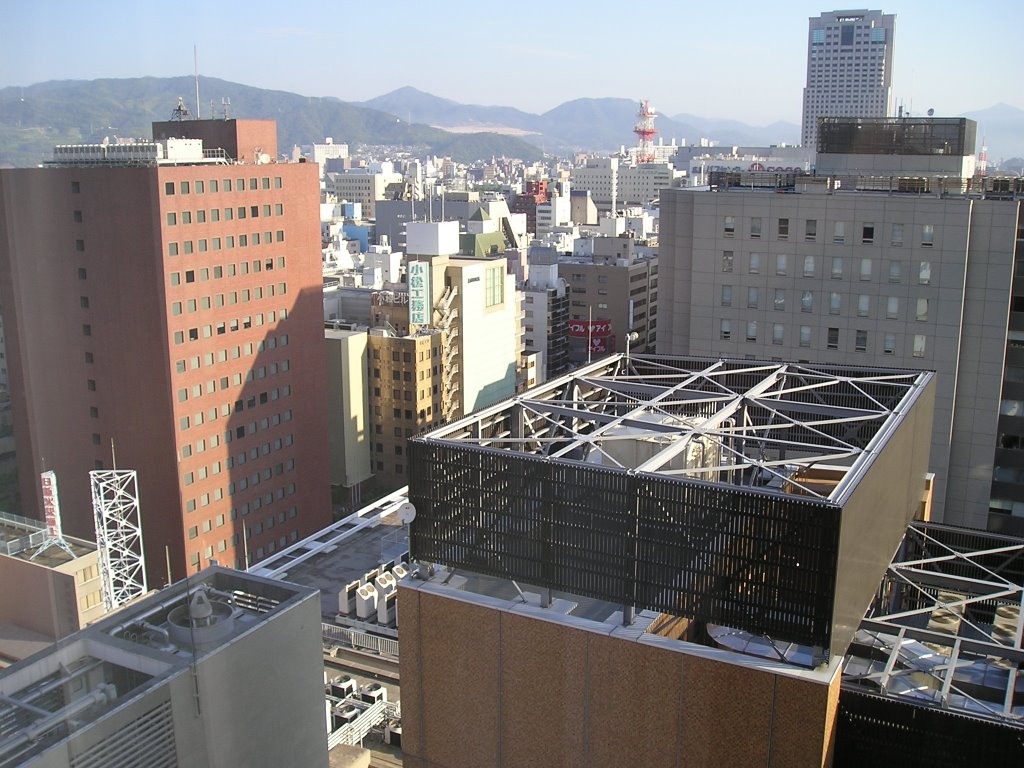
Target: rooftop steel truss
{"x": 763, "y": 421}
{"x": 946, "y": 626}
{"x": 115, "y": 503}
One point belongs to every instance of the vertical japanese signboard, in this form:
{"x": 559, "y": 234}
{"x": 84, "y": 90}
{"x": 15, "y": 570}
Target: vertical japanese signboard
{"x": 51, "y": 506}
{"x": 419, "y": 293}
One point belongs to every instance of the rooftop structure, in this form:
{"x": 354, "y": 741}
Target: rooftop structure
{"x": 934, "y": 669}
{"x": 686, "y": 485}
{"x": 163, "y": 683}
{"x": 886, "y": 146}
{"x": 637, "y": 557}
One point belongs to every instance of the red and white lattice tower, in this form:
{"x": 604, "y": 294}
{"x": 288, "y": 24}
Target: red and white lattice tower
{"x": 983, "y": 157}
{"x": 644, "y": 130}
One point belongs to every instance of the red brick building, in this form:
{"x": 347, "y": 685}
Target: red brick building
{"x": 173, "y": 310}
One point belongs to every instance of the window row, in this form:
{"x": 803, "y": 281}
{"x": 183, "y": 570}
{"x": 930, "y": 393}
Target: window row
{"x": 217, "y": 494}
{"x": 408, "y": 414}
{"x": 406, "y": 375}
{"x": 202, "y": 186}
{"x": 210, "y": 387}
{"x": 808, "y": 266}
{"x": 212, "y": 414}
{"x": 251, "y": 454}
{"x": 201, "y": 216}
{"x": 406, "y": 357}
{"x": 207, "y": 331}
{"x": 230, "y": 298}
{"x": 219, "y": 271}
{"x": 195, "y": 362}
{"x": 201, "y": 473}
{"x": 215, "y": 243}
{"x": 778, "y": 331}
{"x": 841, "y": 231}
{"x": 777, "y": 299}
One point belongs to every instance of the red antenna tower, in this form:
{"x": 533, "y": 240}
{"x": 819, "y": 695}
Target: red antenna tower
{"x": 644, "y": 130}
{"x": 983, "y": 157}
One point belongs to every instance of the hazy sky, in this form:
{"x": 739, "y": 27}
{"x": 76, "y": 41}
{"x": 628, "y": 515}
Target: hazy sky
{"x": 741, "y": 60}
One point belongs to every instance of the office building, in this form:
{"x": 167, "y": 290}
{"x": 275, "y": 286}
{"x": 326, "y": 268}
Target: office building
{"x": 365, "y": 186}
{"x": 654, "y": 561}
{"x": 392, "y": 216}
{"x": 406, "y": 392}
{"x": 474, "y": 303}
{"x": 192, "y": 675}
{"x": 348, "y": 425}
{"x": 612, "y": 293}
{"x": 546, "y": 315}
{"x": 849, "y": 68}
{"x": 163, "y": 306}
{"x": 49, "y": 591}
{"x": 527, "y": 202}
{"x": 641, "y": 184}
{"x": 600, "y": 177}
{"x": 901, "y": 264}
{"x": 582, "y": 207}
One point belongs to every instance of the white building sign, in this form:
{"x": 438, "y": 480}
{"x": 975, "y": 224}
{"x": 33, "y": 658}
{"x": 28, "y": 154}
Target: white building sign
{"x": 419, "y": 293}
{"x": 51, "y": 505}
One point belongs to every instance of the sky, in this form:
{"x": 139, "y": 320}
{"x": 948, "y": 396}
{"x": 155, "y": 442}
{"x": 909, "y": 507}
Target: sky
{"x": 744, "y": 60}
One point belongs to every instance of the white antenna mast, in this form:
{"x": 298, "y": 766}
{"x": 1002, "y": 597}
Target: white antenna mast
{"x": 115, "y": 505}
{"x": 195, "y": 63}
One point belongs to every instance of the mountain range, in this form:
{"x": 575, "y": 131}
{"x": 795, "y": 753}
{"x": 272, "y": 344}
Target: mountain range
{"x": 34, "y": 118}
{"x": 603, "y": 124}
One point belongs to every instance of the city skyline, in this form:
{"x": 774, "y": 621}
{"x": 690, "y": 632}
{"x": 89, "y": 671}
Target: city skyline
{"x": 457, "y": 55}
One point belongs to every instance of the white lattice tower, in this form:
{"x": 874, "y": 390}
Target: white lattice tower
{"x": 115, "y": 504}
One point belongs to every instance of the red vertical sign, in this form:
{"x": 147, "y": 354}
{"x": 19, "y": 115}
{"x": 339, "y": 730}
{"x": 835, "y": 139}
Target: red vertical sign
{"x": 51, "y": 505}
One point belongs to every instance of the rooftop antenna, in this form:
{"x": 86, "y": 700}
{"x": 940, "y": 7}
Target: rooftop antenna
{"x": 180, "y": 112}
{"x": 226, "y": 105}
{"x": 195, "y": 64}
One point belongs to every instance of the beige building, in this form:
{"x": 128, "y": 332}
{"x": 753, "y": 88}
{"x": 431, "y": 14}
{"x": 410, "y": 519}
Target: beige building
{"x": 405, "y": 388}
{"x": 46, "y": 594}
{"x": 222, "y": 669}
{"x": 346, "y": 355}
{"x": 849, "y": 67}
{"x": 359, "y": 185}
{"x": 642, "y": 183}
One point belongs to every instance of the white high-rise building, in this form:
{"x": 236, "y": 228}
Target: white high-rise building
{"x": 849, "y": 68}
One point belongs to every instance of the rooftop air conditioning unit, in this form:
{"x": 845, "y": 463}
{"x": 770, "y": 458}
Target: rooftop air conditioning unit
{"x": 347, "y": 598}
{"x": 385, "y": 584}
{"x": 344, "y": 715}
{"x": 386, "y": 607}
{"x": 343, "y": 687}
{"x": 366, "y": 602}
{"x": 373, "y": 692}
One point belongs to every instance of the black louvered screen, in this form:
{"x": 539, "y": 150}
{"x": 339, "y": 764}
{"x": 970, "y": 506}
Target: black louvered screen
{"x": 892, "y": 733}
{"x": 761, "y": 562}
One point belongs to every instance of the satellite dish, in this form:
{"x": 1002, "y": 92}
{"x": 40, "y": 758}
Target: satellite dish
{"x": 406, "y": 513}
{"x": 264, "y": 158}
{"x": 931, "y": 112}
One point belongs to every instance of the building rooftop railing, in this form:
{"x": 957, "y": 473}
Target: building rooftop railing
{"x": 984, "y": 187}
